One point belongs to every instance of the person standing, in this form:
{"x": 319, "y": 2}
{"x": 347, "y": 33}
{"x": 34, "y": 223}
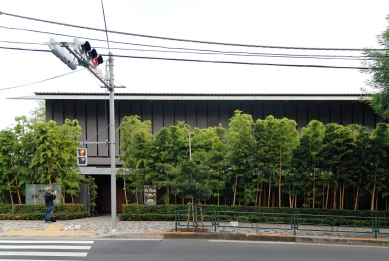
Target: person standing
{"x": 49, "y": 199}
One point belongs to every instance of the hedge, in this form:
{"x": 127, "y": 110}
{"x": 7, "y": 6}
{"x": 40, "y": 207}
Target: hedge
{"x": 166, "y": 212}
{"x": 37, "y": 211}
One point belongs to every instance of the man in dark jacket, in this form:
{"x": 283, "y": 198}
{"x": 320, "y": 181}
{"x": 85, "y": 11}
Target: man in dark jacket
{"x": 49, "y": 199}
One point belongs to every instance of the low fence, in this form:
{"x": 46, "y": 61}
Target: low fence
{"x": 223, "y": 221}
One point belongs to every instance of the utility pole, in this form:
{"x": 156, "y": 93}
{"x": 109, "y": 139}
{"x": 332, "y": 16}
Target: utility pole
{"x": 112, "y": 141}
{"x": 88, "y": 58}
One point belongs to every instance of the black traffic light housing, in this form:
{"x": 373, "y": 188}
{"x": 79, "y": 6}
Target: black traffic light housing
{"x": 82, "y": 157}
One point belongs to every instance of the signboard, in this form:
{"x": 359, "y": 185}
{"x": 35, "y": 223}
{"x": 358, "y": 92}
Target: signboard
{"x": 35, "y": 193}
{"x": 150, "y": 195}
{"x": 234, "y": 223}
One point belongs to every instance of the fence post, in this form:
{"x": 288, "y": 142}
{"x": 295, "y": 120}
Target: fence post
{"x": 214, "y": 220}
{"x": 175, "y": 219}
{"x": 294, "y": 223}
{"x": 376, "y": 227}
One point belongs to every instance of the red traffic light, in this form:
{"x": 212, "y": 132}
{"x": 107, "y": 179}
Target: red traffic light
{"x": 98, "y": 60}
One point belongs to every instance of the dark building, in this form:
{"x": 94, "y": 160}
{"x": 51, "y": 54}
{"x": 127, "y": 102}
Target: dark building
{"x": 197, "y": 110}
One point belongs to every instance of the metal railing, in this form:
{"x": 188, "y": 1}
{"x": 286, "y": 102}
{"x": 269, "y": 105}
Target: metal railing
{"x": 265, "y": 222}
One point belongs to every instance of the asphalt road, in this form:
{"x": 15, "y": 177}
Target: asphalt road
{"x": 195, "y": 250}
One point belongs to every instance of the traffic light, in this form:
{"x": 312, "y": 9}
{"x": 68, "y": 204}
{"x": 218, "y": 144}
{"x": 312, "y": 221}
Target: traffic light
{"x": 82, "y": 157}
{"x": 62, "y": 54}
{"x": 86, "y": 51}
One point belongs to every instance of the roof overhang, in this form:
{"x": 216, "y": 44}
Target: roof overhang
{"x": 188, "y": 96}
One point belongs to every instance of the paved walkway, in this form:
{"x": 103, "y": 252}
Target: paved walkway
{"x": 101, "y": 227}
{"x": 93, "y": 227}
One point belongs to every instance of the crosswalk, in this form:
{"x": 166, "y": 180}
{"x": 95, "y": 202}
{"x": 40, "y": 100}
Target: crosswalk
{"x": 48, "y": 250}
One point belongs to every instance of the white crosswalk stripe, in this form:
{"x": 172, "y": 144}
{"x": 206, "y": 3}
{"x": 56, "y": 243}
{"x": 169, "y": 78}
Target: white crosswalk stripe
{"x": 53, "y": 250}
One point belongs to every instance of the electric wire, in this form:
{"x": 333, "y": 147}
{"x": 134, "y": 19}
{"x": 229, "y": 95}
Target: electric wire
{"x": 185, "y": 40}
{"x": 126, "y": 43}
{"x": 243, "y": 54}
{"x": 208, "y": 61}
{"x": 48, "y": 79}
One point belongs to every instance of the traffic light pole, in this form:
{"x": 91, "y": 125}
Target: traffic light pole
{"x": 111, "y": 88}
{"x": 112, "y": 142}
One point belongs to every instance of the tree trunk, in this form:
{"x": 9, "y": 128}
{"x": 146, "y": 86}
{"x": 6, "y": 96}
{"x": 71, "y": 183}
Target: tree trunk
{"x": 279, "y": 181}
{"x": 269, "y": 195}
{"x": 236, "y": 184}
{"x": 10, "y": 192}
{"x": 328, "y": 193}
{"x": 356, "y": 198}
{"x": 314, "y": 184}
{"x": 373, "y": 194}
{"x": 125, "y": 190}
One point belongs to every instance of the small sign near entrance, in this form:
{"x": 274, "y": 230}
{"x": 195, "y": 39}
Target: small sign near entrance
{"x": 234, "y": 223}
{"x": 150, "y": 195}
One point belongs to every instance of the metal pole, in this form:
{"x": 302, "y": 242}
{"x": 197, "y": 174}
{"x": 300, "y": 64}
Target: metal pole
{"x": 112, "y": 142}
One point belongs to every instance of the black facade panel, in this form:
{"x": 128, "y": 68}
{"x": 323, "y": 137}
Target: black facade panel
{"x": 58, "y": 114}
{"x": 369, "y": 117}
{"x": 91, "y": 117}
{"x": 246, "y": 107}
{"x": 279, "y": 109}
{"x": 335, "y": 112}
{"x": 213, "y": 113}
{"x": 102, "y": 127}
{"x": 49, "y": 109}
{"x": 124, "y": 109}
{"x": 191, "y": 116}
{"x": 224, "y": 108}
{"x": 136, "y": 108}
{"x": 346, "y": 112}
{"x": 291, "y": 110}
{"x": 179, "y": 111}
{"x": 257, "y": 110}
{"x": 302, "y": 116}
{"x": 324, "y": 112}
{"x": 313, "y": 110}
{"x": 147, "y": 111}
{"x": 168, "y": 113}
{"x": 268, "y": 108}
{"x": 157, "y": 116}
{"x": 234, "y": 105}
{"x": 201, "y": 114}
{"x": 79, "y": 106}
{"x": 358, "y": 113}
{"x": 68, "y": 109}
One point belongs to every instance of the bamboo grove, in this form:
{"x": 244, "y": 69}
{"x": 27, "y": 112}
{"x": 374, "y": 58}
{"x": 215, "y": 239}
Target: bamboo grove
{"x": 37, "y": 152}
{"x": 261, "y": 163}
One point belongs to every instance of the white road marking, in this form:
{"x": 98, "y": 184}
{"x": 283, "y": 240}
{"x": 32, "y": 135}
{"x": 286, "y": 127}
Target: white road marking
{"x": 14, "y": 253}
{"x": 43, "y": 247}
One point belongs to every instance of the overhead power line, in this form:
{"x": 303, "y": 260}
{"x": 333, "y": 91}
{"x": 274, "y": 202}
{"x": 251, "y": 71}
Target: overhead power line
{"x": 184, "y": 40}
{"x": 353, "y": 57}
{"x": 207, "y": 61}
{"x": 231, "y": 53}
{"x": 19, "y": 86}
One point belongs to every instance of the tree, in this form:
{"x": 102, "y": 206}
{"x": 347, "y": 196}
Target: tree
{"x": 377, "y": 65}
{"x": 135, "y": 142}
{"x": 315, "y": 133}
{"x": 380, "y": 151}
{"x": 240, "y": 156}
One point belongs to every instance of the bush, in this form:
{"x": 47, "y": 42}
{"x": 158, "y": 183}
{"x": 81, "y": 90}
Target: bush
{"x": 37, "y": 211}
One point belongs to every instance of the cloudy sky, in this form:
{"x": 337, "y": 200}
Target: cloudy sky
{"x": 260, "y": 46}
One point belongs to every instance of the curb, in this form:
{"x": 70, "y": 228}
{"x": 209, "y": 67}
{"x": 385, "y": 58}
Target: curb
{"x": 255, "y": 237}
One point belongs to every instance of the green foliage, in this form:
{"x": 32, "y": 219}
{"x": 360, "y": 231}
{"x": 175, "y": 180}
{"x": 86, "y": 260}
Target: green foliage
{"x": 37, "y": 211}
{"x": 377, "y": 64}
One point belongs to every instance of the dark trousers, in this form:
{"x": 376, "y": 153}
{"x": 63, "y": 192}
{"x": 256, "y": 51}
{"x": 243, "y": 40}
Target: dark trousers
{"x": 49, "y": 209}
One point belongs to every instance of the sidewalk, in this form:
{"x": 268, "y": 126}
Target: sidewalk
{"x": 101, "y": 227}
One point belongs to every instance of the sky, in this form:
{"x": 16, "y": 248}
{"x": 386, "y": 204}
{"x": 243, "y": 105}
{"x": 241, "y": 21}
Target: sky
{"x": 232, "y": 51}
